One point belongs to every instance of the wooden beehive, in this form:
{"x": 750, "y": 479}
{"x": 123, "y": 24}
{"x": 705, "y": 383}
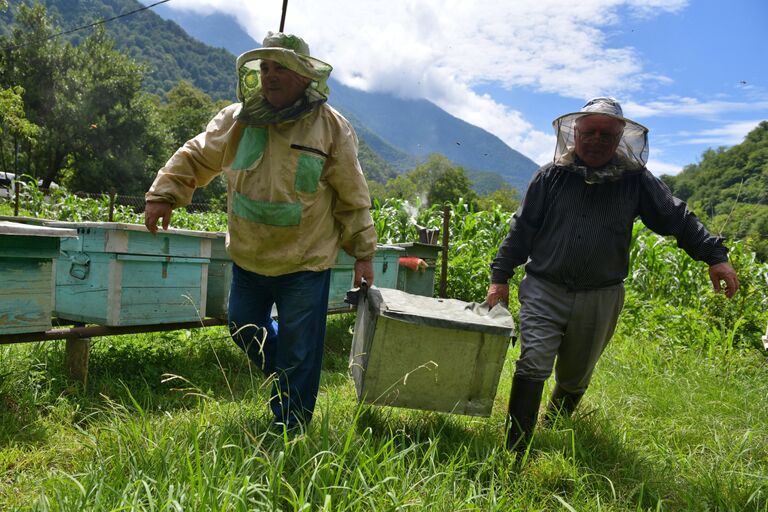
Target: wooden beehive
{"x": 120, "y": 274}
{"x": 342, "y": 275}
{"x": 27, "y": 276}
{"x": 427, "y": 353}
{"x": 421, "y": 282}
{"x": 219, "y": 279}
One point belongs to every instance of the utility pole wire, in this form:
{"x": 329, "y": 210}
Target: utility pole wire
{"x": 282, "y": 18}
{"x": 100, "y": 22}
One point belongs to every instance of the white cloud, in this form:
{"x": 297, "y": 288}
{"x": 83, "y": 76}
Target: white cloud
{"x": 440, "y": 49}
{"x": 657, "y": 167}
{"x": 726, "y": 135}
{"x": 687, "y": 107}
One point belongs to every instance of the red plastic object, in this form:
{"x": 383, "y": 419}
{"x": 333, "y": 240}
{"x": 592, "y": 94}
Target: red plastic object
{"x": 413, "y": 263}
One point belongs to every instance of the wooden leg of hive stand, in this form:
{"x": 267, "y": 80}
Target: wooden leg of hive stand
{"x": 76, "y": 359}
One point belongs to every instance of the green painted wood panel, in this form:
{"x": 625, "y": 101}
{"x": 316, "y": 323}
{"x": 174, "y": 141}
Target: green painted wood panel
{"x": 85, "y": 285}
{"x": 342, "y": 276}
{"x": 426, "y": 252}
{"x": 20, "y": 246}
{"x": 415, "y": 282}
{"x": 219, "y": 247}
{"x": 160, "y": 305}
{"x": 344, "y": 259}
{"x": 125, "y": 289}
{"x": 111, "y": 237}
{"x": 343, "y": 273}
{"x": 169, "y": 244}
{"x": 219, "y": 283}
{"x": 385, "y": 266}
{"x": 26, "y": 295}
{"x": 219, "y": 279}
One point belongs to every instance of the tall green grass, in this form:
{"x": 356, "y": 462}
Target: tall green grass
{"x": 663, "y": 427}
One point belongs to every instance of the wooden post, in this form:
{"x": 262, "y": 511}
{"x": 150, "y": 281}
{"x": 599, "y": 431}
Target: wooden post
{"x": 444, "y": 268}
{"x": 112, "y": 199}
{"x": 76, "y": 355}
{"x": 17, "y": 188}
{"x": 765, "y": 338}
{"x": 16, "y": 175}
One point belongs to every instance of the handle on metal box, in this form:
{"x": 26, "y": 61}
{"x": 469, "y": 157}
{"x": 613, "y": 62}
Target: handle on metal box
{"x": 353, "y": 296}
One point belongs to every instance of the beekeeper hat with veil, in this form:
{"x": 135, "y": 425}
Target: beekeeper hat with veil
{"x": 291, "y": 52}
{"x": 631, "y": 153}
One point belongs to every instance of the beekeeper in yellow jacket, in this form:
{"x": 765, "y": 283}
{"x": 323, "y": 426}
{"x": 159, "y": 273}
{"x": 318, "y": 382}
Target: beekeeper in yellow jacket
{"x": 296, "y": 194}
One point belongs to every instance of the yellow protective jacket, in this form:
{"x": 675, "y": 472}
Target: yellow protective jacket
{"x": 295, "y": 190}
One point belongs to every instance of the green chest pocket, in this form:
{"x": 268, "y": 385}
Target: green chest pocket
{"x": 308, "y": 169}
{"x": 252, "y": 144}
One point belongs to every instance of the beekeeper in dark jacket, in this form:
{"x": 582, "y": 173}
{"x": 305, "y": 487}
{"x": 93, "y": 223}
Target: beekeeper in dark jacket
{"x": 572, "y": 233}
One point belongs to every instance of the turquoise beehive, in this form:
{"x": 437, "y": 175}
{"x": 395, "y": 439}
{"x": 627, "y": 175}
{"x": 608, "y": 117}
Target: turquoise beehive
{"x": 120, "y": 274}
{"x": 385, "y": 262}
{"x": 419, "y": 282}
{"x": 27, "y": 276}
{"x": 219, "y": 278}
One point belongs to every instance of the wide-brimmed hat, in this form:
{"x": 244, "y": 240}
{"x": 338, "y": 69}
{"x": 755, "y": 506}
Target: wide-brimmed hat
{"x": 633, "y": 147}
{"x": 288, "y": 50}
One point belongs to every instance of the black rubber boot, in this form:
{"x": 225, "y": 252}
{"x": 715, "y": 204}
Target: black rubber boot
{"x": 561, "y": 404}
{"x": 524, "y": 401}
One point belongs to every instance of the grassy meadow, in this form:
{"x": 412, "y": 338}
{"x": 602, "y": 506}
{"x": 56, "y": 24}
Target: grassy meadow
{"x": 676, "y": 417}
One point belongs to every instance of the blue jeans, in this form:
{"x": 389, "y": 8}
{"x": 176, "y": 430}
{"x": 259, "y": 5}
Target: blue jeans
{"x": 294, "y": 352}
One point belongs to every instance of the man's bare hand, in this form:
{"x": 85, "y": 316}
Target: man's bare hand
{"x": 154, "y": 211}
{"x": 363, "y": 270}
{"x": 724, "y": 272}
{"x": 497, "y": 293}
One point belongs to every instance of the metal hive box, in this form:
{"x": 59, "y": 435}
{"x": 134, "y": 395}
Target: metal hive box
{"x": 120, "y": 274}
{"x": 27, "y": 276}
{"x": 426, "y": 353}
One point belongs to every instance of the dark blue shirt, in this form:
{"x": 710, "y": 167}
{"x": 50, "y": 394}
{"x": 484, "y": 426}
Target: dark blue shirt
{"x": 578, "y": 235}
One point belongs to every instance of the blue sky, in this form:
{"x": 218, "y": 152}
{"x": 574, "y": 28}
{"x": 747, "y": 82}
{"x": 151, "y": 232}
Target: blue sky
{"x": 693, "y": 71}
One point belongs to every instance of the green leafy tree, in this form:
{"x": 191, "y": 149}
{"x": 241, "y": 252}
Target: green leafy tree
{"x": 450, "y": 186}
{"x": 186, "y": 112}
{"x": 95, "y": 122}
{"x": 37, "y": 63}
{"x": 507, "y": 198}
{"x": 402, "y": 187}
{"x": 436, "y": 181}
{"x": 14, "y": 127}
{"x": 119, "y": 140}
{"x": 729, "y": 189}
{"x": 377, "y": 191}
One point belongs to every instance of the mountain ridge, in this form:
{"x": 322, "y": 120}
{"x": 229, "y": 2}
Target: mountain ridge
{"x": 177, "y": 45}
{"x": 406, "y": 130}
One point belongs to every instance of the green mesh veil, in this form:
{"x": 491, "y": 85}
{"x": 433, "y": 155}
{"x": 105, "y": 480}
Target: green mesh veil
{"x": 293, "y": 53}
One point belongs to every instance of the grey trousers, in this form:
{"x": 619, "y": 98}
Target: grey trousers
{"x": 574, "y": 326}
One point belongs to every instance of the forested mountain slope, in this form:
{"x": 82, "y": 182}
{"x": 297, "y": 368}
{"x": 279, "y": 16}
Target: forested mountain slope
{"x": 401, "y": 132}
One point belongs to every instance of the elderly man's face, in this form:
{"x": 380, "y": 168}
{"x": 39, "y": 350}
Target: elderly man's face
{"x": 597, "y": 138}
{"x": 281, "y": 86}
